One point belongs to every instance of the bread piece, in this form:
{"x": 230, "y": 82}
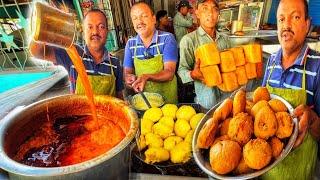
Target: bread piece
{"x": 211, "y": 74}
{"x": 251, "y": 70}
{"x": 238, "y": 56}
{"x": 227, "y": 61}
{"x": 253, "y": 53}
{"x": 241, "y": 75}
{"x": 208, "y": 54}
{"x": 229, "y": 82}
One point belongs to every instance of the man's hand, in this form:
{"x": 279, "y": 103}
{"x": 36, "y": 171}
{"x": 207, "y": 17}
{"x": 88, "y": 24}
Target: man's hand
{"x": 139, "y": 84}
{"x": 308, "y": 119}
{"x": 129, "y": 79}
{"x": 196, "y": 73}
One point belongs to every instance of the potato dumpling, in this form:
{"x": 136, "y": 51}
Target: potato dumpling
{"x": 153, "y": 140}
{"x": 257, "y": 153}
{"x": 167, "y": 121}
{"x": 185, "y": 112}
{"x": 169, "y": 110}
{"x": 181, "y": 153}
{"x": 154, "y": 114}
{"x": 195, "y": 120}
{"x": 154, "y": 155}
{"x": 171, "y": 142}
{"x": 162, "y": 130}
{"x": 181, "y": 128}
{"x": 146, "y": 126}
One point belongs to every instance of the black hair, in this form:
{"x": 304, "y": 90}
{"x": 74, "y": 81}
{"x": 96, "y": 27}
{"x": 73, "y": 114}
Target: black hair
{"x": 141, "y": 2}
{"x": 98, "y": 11}
{"x": 306, "y": 8}
{"x": 160, "y": 14}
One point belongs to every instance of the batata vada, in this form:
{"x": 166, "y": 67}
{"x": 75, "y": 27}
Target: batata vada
{"x": 257, "y": 107}
{"x": 276, "y": 146}
{"x": 242, "y": 168}
{"x": 225, "y": 156}
{"x": 261, "y": 93}
{"x": 241, "y": 128}
{"x": 224, "y": 110}
{"x": 224, "y": 127}
{"x": 239, "y": 102}
{"x": 257, "y": 153}
{"x": 265, "y": 123}
{"x": 277, "y": 105}
{"x": 285, "y": 125}
{"x": 207, "y": 133}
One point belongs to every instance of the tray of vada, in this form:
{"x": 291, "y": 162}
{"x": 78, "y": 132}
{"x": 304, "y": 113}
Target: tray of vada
{"x": 245, "y": 135}
{"x": 166, "y": 134}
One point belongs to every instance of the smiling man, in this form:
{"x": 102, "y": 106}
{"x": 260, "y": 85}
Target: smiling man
{"x": 104, "y": 71}
{"x": 294, "y": 74}
{"x": 151, "y": 56}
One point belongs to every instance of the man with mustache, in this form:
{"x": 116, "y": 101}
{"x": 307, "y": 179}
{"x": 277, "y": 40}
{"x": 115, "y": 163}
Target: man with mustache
{"x": 293, "y": 73}
{"x": 207, "y": 11}
{"x": 104, "y": 71}
{"x": 150, "y": 57}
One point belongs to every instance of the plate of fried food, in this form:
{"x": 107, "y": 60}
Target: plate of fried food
{"x": 245, "y": 136}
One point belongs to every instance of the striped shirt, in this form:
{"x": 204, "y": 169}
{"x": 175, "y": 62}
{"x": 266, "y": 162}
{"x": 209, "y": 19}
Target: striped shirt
{"x": 292, "y": 77}
{"x": 102, "y": 69}
{"x": 166, "y": 43}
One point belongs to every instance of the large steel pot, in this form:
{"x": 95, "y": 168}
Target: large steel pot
{"x": 18, "y": 126}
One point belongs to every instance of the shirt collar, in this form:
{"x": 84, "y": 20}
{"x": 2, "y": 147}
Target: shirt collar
{"x": 153, "y": 41}
{"x": 106, "y": 54}
{"x": 202, "y": 32}
{"x": 299, "y": 60}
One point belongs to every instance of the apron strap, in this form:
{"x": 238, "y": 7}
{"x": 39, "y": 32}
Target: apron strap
{"x": 111, "y": 68}
{"x": 158, "y": 50}
{"x": 273, "y": 64}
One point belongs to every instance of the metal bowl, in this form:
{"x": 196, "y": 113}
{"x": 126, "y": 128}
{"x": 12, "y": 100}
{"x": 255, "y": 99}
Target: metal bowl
{"x": 155, "y": 99}
{"x": 203, "y": 161}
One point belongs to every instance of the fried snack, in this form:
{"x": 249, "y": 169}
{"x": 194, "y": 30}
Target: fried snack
{"x": 249, "y": 105}
{"x": 261, "y": 93}
{"x": 259, "y": 68}
{"x": 285, "y": 125}
{"x": 207, "y": 133}
{"x": 265, "y": 123}
{"x": 257, "y": 153}
{"x": 212, "y": 76}
{"x": 253, "y": 53}
{"x": 154, "y": 155}
{"x": 277, "y": 105}
{"x": 221, "y": 138}
{"x": 225, "y": 156}
{"x": 239, "y": 102}
{"x": 224, "y": 110}
{"x": 162, "y": 130}
{"x": 224, "y": 127}
{"x": 208, "y": 54}
{"x": 242, "y": 168}
{"x": 227, "y": 62}
{"x": 229, "y": 82}
{"x": 170, "y": 142}
{"x": 276, "y": 146}
{"x": 238, "y": 55}
{"x": 251, "y": 70}
{"x": 257, "y": 107}
{"x": 241, "y": 75}
{"x": 181, "y": 128}
{"x": 241, "y": 128}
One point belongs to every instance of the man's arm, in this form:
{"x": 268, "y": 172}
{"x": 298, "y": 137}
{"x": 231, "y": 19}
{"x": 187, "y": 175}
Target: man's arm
{"x": 182, "y": 21}
{"x": 42, "y": 51}
{"x": 166, "y": 74}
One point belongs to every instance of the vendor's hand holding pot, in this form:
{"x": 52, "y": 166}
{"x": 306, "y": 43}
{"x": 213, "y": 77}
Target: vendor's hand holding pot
{"x": 308, "y": 119}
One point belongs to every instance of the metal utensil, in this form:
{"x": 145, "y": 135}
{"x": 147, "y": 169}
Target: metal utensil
{"x": 145, "y": 99}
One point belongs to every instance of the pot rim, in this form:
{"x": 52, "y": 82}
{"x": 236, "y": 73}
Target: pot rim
{"x": 12, "y": 166}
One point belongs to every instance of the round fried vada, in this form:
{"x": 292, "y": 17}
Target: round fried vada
{"x": 261, "y": 93}
{"x": 265, "y": 123}
{"x": 241, "y": 128}
{"x": 257, "y": 153}
{"x": 207, "y": 133}
{"x": 277, "y": 105}
{"x": 225, "y": 156}
{"x": 224, "y": 127}
{"x": 276, "y": 146}
{"x": 258, "y": 106}
{"x": 285, "y": 125}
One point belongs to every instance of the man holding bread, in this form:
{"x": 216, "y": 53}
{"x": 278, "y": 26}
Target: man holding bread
{"x": 207, "y": 11}
{"x": 293, "y": 73}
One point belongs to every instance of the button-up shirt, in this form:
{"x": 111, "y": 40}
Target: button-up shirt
{"x": 102, "y": 69}
{"x": 205, "y": 96}
{"x": 180, "y": 25}
{"x": 292, "y": 77}
{"x": 165, "y": 41}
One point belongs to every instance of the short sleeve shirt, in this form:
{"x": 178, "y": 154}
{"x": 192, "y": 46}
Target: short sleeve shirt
{"x": 102, "y": 69}
{"x": 165, "y": 41}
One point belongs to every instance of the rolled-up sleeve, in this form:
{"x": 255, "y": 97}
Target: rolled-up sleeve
{"x": 186, "y": 59}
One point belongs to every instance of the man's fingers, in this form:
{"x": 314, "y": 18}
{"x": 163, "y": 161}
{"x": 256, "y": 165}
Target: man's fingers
{"x": 300, "y": 110}
{"x": 300, "y": 138}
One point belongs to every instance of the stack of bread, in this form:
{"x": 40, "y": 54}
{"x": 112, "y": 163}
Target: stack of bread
{"x": 230, "y": 68}
{"x": 245, "y": 135}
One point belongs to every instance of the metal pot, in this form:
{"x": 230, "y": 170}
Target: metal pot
{"x": 19, "y": 125}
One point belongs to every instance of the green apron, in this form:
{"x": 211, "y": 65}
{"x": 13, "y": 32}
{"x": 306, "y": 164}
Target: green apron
{"x": 301, "y": 162}
{"x": 152, "y": 66}
{"x": 100, "y": 84}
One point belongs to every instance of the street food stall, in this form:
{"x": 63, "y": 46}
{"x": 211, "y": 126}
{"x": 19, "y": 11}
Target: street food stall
{"x": 70, "y": 136}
